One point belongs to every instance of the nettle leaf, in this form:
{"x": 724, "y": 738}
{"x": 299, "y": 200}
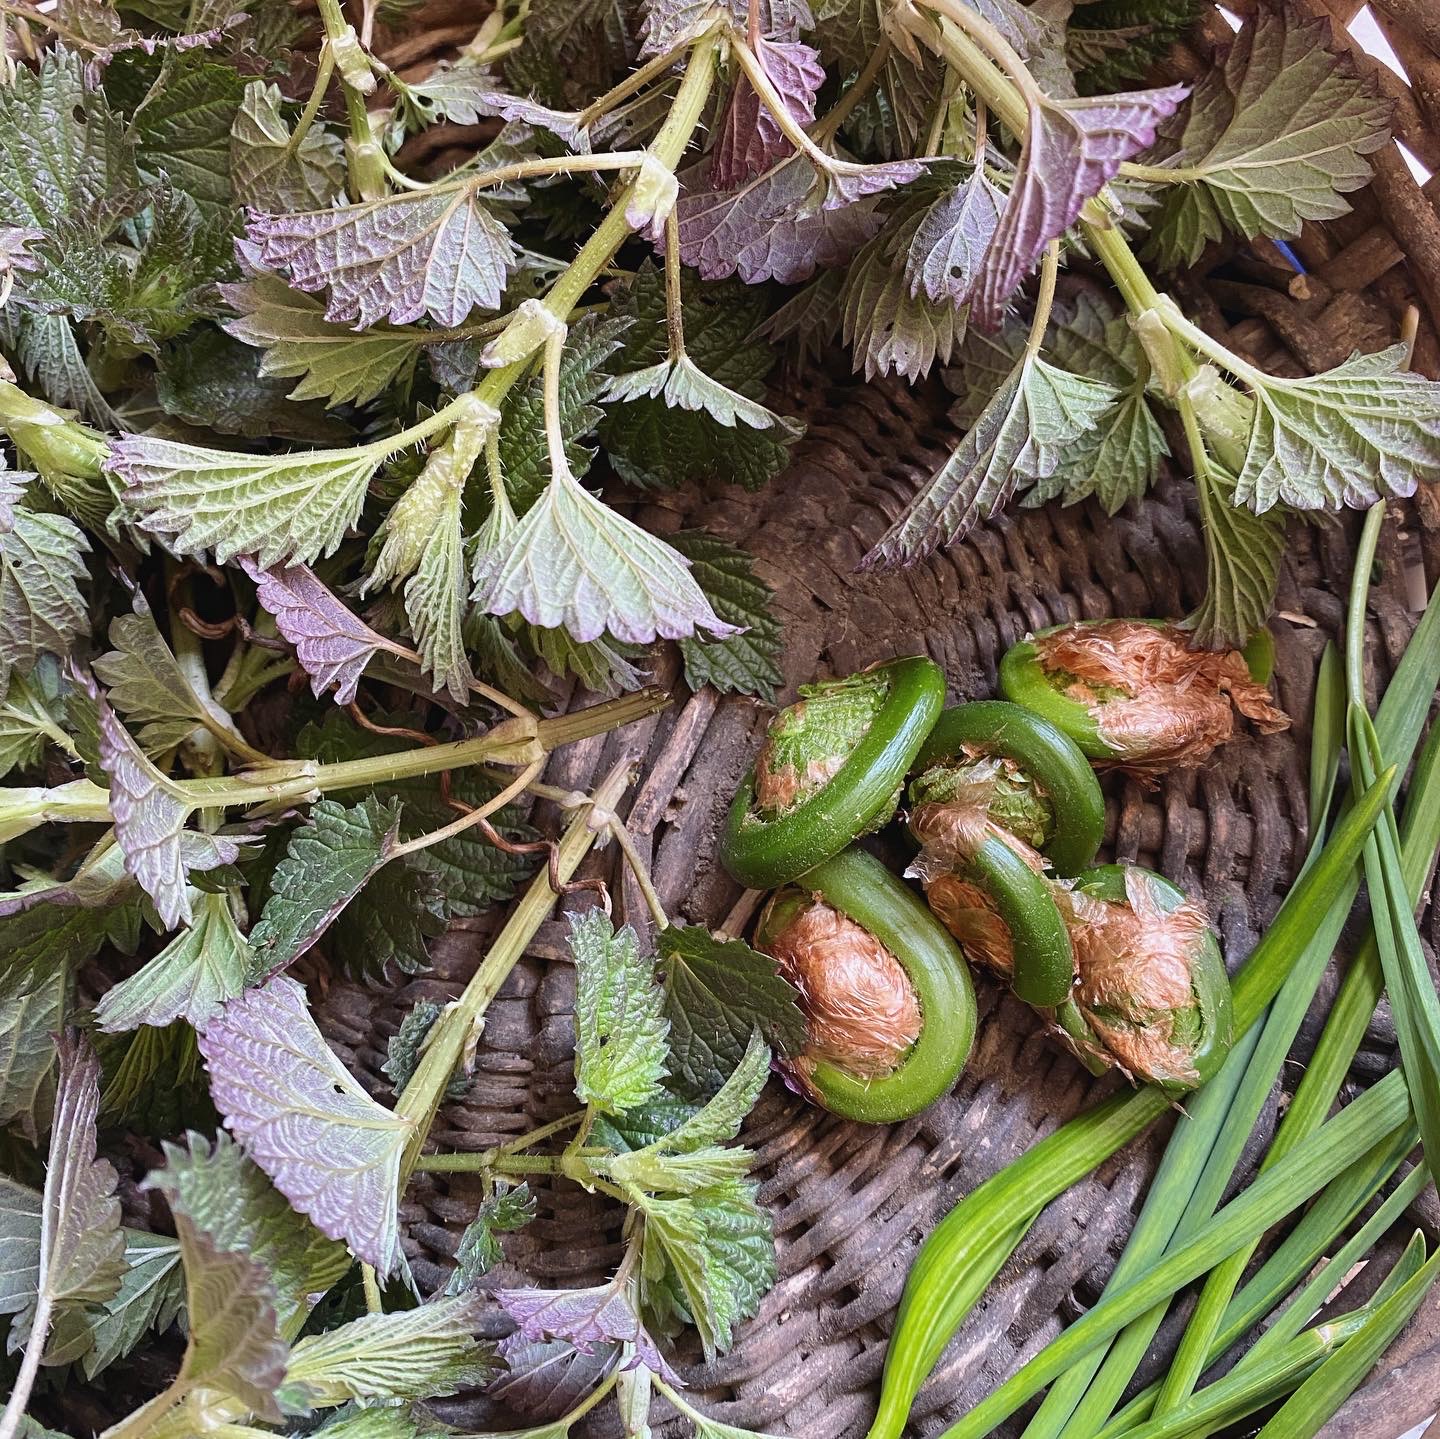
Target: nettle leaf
{"x": 20, "y": 1212}
{"x": 233, "y": 1343}
{"x": 156, "y": 1081}
{"x": 32, "y": 715}
{"x": 1021, "y": 437}
{"x": 1072, "y": 149}
{"x": 749, "y": 140}
{"x": 718, "y": 992}
{"x": 294, "y": 507}
{"x": 211, "y": 381}
{"x": 228, "y": 1196}
{"x": 891, "y": 327}
{"x": 546, "y": 1381}
{"x": 945, "y": 253}
{"x": 1243, "y": 555}
{"x": 708, "y": 1258}
{"x": 41, "y": 563}
{"x": 192, "y": 977}
{"x": 333, "y": 362}
{"x": 651, "y": 442}
{"x": 402, "y": 1054}
{"x": 603, "y": 665}
{"x": 748, "y": 662}
{"x": 502, "y": 1212}
{"x": 573, "y": 561}
{"x": 149, "y": 812}
{"x": 619, "y": 1033}
{"x": 724, "y": 1112}
{"x": 766, "y": 229}
{"x": 267, "y": 172}
{"x": 181, "y": 128}
{"x": 46, "y": 349}
{"x": 1116, "y": 41}
{"x": 329, "y": 860}
{"x": 148, "y": 1301}
{"x": 332, "y": 643}
{"x": 82, "y": 1251}
{"x": 466, "y": 94}
{"x": 1364, "y": 431}
{"x": 33, "y": 995}
{"x": 64, "y": 154}
{"x": 304, "y": 1119}
{"x": 436, "y": 596}
{"x": 587, "y": 1318}
{"x": 1272, "y": 138}
{"x": 423, "y": 1353}
{"x": 440, "y": 254}
{"x": 145, "y": 683}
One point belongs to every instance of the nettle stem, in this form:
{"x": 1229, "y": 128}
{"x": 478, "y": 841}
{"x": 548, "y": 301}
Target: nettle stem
{"x": 458, "y": 1027}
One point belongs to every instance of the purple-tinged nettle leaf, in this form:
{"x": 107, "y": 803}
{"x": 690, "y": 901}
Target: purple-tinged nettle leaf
{"x": 950, "y": 243}
{"x": 1072, "y": 149}
{"x": 149, "y": 811}
{"x": 466, "y": 94}
{"x": 765, "y": 231}
{"x": 304, "y": 1119}
{"x": 573, "y": 561}
{"x": 668, "y": 23}
{"x": 438, "y": 253}
{"x": 332, "y": 643}
{"x": 1037, "y": 414}
{"x": 587, "y": 1318}
{"x": 544, "y": 1381}
{"x": 81, "y": 1246}
{"x": 844, "y": 182}
{"x": 750, "y": 141}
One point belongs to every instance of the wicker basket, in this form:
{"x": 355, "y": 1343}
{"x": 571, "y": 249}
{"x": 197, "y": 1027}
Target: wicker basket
{"x": 851, "y": 1203}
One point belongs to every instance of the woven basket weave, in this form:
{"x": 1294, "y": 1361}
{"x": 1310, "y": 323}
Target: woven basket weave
{"x": 851, "y": 1203}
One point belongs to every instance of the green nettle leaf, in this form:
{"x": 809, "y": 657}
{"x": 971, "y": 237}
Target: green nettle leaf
{"x": 892, "y": 327}
{"x": 708, "y": 1258}
{"x": 1021, "y": 437}
{"x": 333, "y": 362}
{"x": 270, "y": 173}
{"x": 328, "y": 861}
{"x": 718, "y": 992}
{"x": 466, "y": 94}
{"x": 423, "y": 1353}
{"x": 32, "y": 715}
{"x": 724, "y": 1112}
{"x": 20, "y": 1211}
{"x": 46, "y": 349}
{"x": 81, "y": 1251}
{"x": 619, "y": 1032}
{"x": 1072, "y": 149}
{"x": 64, "y": 154}
{"x": 389, "y": 923}
{"x": 306, "y": 1121}
{"x": 33, "y": 998}
{"x": 1243, "y": 554}
{"x": 228, "y": 1196}
{"x": 748, "y": 662}
{"x": 294, "y": 507}
{"x": 681, "y": 384}
{"x": 573, "y": 561}
{"x": 603, "y": 665}
{"x": 41, "y": 563}
{"x": 208, "y": 379}
{"x": 441, "y": 254}
{"x": 156, "y": 1081}
{"x": 1364, "y": 431}
{"x": 181, "y": 128}
{"x": 234, "y": 1345}
{"x": 145, "y": 683}
{"x": 192, "y": 977}
{"x": 148, "y": 1300}
{"x": 1273, "y": 138}
{"x": 1115, "y": 41}
{"x": 402, "y": 1054}
{"x": 502, "y": 1212}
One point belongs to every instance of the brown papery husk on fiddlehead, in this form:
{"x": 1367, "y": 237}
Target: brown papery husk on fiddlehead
{"x": 1157, "y": 702}
{"x": 860, "y": 1007}
{"x": 1136, "y": 977}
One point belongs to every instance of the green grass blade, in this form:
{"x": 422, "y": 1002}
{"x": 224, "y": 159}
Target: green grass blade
{"x": 1327, "y": 738}
{"x": 1306, "y": 1170}
{"x": 1309, "y": 1409}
